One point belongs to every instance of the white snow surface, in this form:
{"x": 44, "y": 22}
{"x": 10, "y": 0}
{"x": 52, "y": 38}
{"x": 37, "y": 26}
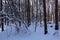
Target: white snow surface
{"x": 11, "y": 34}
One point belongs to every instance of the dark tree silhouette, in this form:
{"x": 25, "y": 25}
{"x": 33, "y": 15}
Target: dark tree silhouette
{"x": 56, "y": 15}
{"x": 2, "y": 24}
{"x": 1, "y": 15}
{"x": 28, "y": 13}
{"x": 45, "y": 24}
{"x": 19, "y": 11}
{"x": 0, "y": 5}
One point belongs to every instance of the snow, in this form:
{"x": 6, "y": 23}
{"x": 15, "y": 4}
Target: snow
{"x": 11, "y": 34}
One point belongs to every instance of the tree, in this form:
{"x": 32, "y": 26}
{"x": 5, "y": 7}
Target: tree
{"x": 40, "y": 5}
{"x": 32, "y": 10}
{"x": 0, "y": 5}
{"x": 1, "y": 15}
{"x": 45, "y": 24}
{"x": 2, "y": 24}
{"x": 28, "y": 13}
{"x": 19, "y": 15}
{"x": 56, "y": 15}
{"x": 48, "y": 9}
{"x": 36, "y": 14}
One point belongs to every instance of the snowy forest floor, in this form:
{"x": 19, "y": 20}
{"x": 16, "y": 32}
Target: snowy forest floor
{"x": 11, "y": 34}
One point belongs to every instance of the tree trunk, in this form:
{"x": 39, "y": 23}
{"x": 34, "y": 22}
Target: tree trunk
{"x": 48, "y": 11}
{"x": 45, "y": 24}
{"x": 19, "y": 12}
{"x": 56, "y": 15}
{"x": 40, "y": 4}
{"x": 28, "y": 13}
{"x": 0, "y": 5}
{"x": 1, "y": 16}
{"x": 36, "y": 14}
{"x": 2, "y": 24}
{"x": 32, "y": 11}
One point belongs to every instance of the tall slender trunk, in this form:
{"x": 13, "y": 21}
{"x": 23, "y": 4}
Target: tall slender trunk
{"x": 56, "y": 15}
{"x": 0, "y": 5}
{"x": 45, "y": 24}
{"x": 6, "y": 15}
{"x": 19, "y": 12}
{"x": 1, "y": 16}
{"x": 36, "y": 14}
{"x": 48, "y": 11}
{"x": 2, "y": 24}
{"x": 40, "y": 4}
{"x": 32, "y": 10}
{"x": 28, "y": 13}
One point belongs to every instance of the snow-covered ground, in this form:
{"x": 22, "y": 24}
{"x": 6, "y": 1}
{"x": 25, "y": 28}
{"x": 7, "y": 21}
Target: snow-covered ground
{"x": 11, "y": 34}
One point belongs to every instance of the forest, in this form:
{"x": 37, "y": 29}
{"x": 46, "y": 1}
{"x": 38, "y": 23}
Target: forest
{"x": 24, "y": 17}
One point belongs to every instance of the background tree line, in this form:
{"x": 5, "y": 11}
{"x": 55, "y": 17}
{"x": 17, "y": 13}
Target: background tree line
{"x": 27, "y": 11}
